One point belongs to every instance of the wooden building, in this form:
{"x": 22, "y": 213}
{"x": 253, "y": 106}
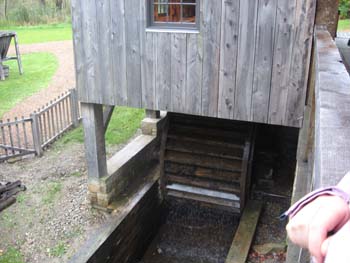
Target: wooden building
{"x": 217, "y": 67}
{"x": 232, "y": 59}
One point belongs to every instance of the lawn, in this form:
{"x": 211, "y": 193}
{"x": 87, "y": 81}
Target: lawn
{"x": 122, "y": 126}
{"x": 38, "y": 71}
{"x": 344, "y": 25}
{"x": 41, "y": 33}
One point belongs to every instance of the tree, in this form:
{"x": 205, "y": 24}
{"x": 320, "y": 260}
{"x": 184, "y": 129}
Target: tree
{"x": 5, "y": 9}
{"x": 344, "y": 9}
{"x": 43, "y": 2}
{"x": 59, "y": 4}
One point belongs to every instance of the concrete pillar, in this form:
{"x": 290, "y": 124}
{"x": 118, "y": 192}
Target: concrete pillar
{"x": 95, "y": 149}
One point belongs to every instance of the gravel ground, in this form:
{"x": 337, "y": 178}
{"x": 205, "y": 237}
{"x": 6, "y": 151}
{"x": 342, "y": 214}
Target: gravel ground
{"x": 53, "y": 217}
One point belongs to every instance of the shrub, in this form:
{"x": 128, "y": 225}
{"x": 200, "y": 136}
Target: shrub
{"x": 29, "y": 12}
{"x": 344, "y": 9}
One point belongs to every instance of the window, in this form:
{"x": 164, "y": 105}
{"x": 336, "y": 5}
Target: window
{"x": 174, "y": 13}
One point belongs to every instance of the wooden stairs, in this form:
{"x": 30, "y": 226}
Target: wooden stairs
{"x": 207, "y": 160}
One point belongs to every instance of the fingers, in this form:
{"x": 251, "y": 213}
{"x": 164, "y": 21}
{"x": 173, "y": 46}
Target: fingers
{"x": 324, "y": 221}
{"x": 317, "y": 235}
{"x": 310, "y": 227}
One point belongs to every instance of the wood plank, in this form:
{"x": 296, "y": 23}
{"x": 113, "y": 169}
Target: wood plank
{"x": 178, "y": 72}
{"x": 203, "y": 195}
{"x": 200, "y": 148}
{"x": 163, "y": 71}
{"x": 282, "y": 56}
{"x": 245, "y": 233}
{"x": 210, "y": 30}
{"x": 133, "y": 52}
{"x": 305, "y": 14}
{"x": 107, "y": 115}
{"x": 203, "y": 161}
{"x": 89, "y": 46}
{"x": 194, "y": 67}
{"x": 79, "y": 53}
{"x": 244, "y": 174}
{"x": 148, "y": 71}
{"x": 94, "y": 142}
{"x": 148, "y": 63}
{"x": 205, "y": 173}
{"x": 104, "y": 51}
{"x": 208, "y": 141}
{"x": 263, "y": 60}
{"x": 228, "y": 57}
{"x": 209, "y": 122}
{"x": 217, "y": 134}
{"x": 162, "y": 150}
{"x": 246, "y": 55}
{"x": 207, "y": 184}
{"x": 332, "y": 141}
{"x": 201, "y": 191}
{"x": 118, "y": 49}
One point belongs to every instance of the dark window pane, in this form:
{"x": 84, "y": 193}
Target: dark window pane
{"x": 189, "y": 1}
{"x": 189, "y": 13}
{"x": 174, "y": 1}
{"x": 160, "y": 13}
{"x": 174, "y": 13}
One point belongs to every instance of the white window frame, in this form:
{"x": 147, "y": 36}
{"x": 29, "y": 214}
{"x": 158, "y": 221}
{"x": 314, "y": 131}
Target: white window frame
{"x": 171, "y": 25}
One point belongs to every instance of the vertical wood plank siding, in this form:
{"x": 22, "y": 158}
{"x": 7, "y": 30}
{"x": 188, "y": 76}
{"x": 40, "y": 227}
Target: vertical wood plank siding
{"x": 228, "y": 58}
{"x": 263, "y": 60}
{"x": 248, "y": 61}
{"x": 282, "y": 56}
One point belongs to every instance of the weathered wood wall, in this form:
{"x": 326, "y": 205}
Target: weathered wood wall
{"x": 249, "y": 61}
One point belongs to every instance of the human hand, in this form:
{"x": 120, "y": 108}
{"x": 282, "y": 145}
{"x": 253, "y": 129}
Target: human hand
{"x": 310, "y": 227}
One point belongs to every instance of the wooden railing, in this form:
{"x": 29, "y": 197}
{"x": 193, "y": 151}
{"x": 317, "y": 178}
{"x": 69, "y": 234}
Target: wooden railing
{"x": 32, "y": 135}
{"x": 324, "y": 140}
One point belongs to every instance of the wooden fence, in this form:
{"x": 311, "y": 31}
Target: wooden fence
{"x": 32, "y": 135}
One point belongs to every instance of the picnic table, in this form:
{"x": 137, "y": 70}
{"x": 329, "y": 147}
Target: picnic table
{"x": 5, "y": 41}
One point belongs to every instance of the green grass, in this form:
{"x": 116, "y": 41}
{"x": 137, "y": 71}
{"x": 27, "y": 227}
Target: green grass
{"x": 344, "y": 25}
{"x": 122, "y": 126}
{"x": 38, "y": 71}
{"x": 12, "y": 255}
{"x": 59, "y": 250}
{"x": 41, "y": 33}
{"x": 52, "y": 191}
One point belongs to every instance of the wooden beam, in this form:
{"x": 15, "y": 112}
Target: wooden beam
{"x": 94, "y": 141}
{"x": 244, "y": 235}
{"x": 107, "y": 114}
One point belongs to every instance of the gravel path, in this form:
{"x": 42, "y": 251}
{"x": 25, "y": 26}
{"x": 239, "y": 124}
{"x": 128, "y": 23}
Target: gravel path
{"x": 62, "y": 81}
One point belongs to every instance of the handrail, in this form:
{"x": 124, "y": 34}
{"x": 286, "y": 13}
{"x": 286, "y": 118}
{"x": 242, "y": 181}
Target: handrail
{"x": 332, "y": 119}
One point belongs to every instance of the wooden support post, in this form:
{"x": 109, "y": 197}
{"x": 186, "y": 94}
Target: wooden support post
{"x": 154, "y": 114}
{"x": 94, "y": 143}
{"x": 107, "y": 115}
{"x": 163, "y": 141}
{"x": 74, "y": 107}
{"x": 37, "y": 137}
{"x": 18, "y": 55}
{"x": 2, "y": 71}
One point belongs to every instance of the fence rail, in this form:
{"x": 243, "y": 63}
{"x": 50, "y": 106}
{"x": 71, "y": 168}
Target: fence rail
{"x": 32, "y": 135}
